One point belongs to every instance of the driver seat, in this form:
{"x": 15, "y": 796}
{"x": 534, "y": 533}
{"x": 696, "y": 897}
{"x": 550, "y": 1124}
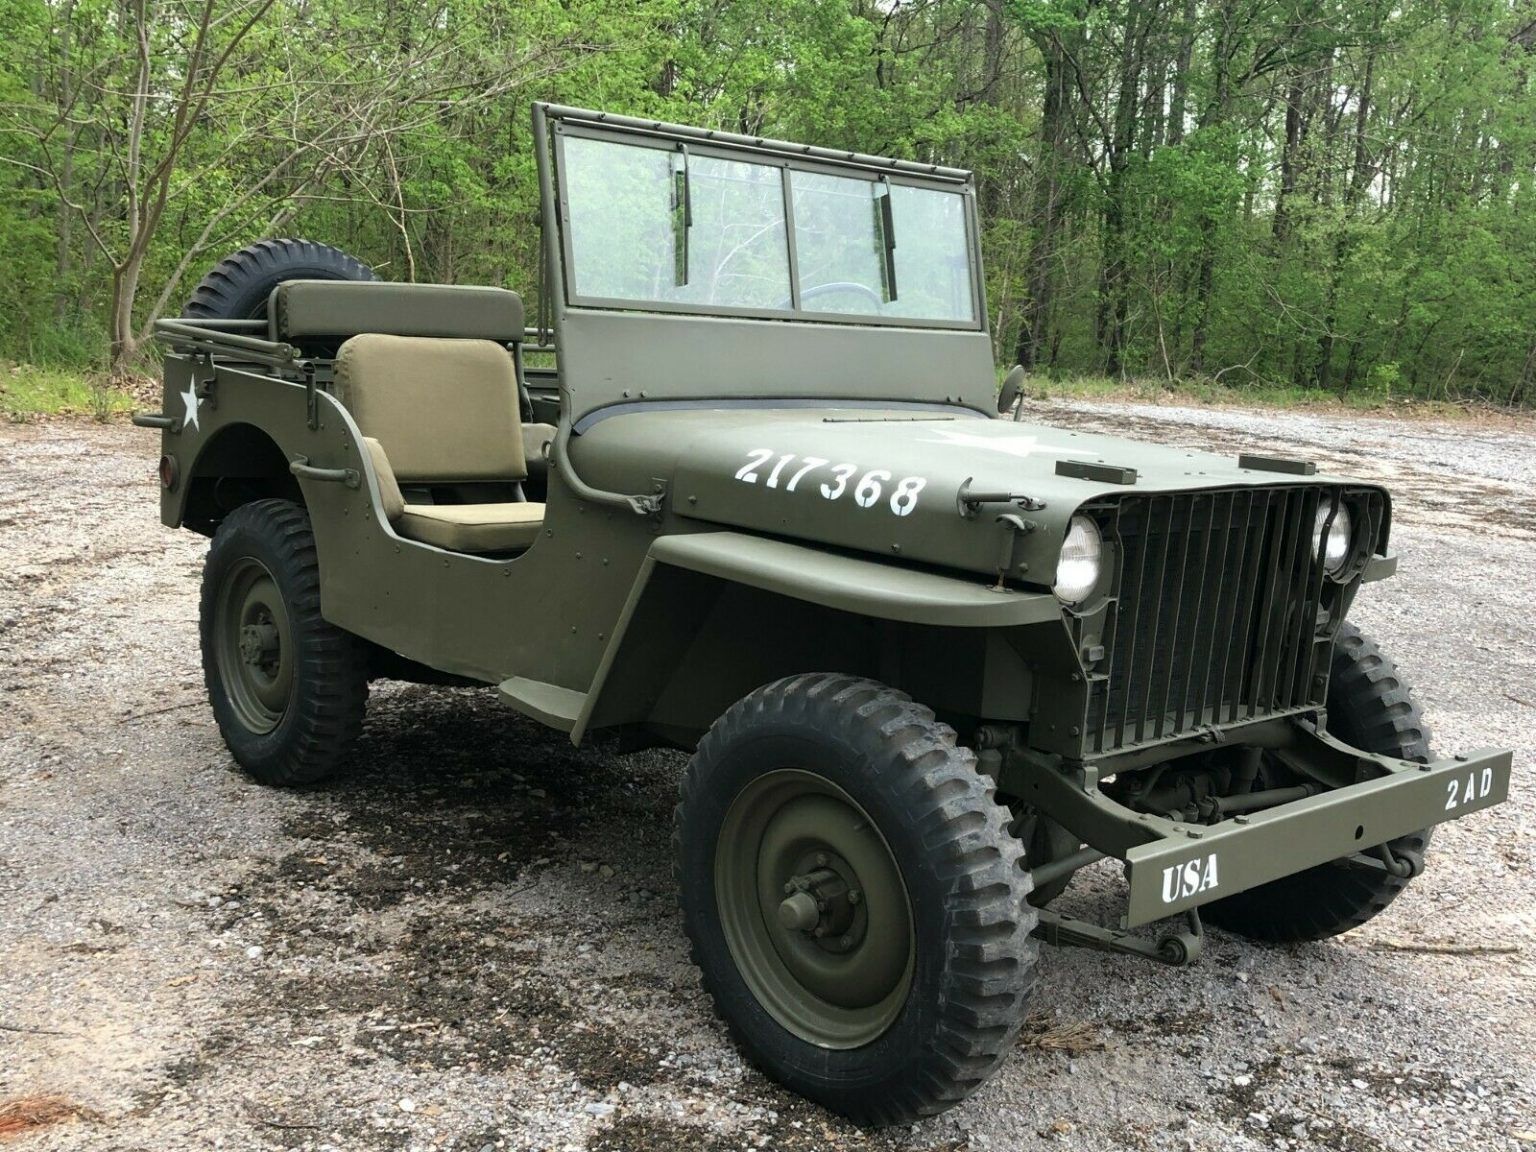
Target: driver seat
{"x": 440, "y": 420}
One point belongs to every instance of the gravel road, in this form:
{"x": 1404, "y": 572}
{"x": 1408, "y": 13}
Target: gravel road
{"x": 472, "y": 943}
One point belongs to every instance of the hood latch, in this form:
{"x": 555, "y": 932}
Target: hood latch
{"x": 969, "y": 503}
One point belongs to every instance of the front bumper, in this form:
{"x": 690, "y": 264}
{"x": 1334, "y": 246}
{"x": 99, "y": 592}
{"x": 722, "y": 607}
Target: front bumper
{"x": 1195, "y": 864}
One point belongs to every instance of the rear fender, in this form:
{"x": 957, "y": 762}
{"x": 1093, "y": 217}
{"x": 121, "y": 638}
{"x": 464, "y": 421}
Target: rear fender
{"x": 248, "y": 426}
{"x": 239, "y": 463}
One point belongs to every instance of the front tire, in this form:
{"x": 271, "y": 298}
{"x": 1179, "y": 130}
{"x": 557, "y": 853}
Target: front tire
{"x": 288, "y": 689}
{"x": 889, "y": 1006}
{"x": 1370, "y": 707}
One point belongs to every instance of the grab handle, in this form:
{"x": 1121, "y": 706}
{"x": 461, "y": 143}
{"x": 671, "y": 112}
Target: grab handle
{"x": 304, "y": 470}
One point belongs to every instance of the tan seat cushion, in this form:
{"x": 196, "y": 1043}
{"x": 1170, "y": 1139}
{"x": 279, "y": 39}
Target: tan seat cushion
{"x": 473, "y": 527}
{"x": 445, "y": 410}
{"x": 300, "y": 308}
{"x": 456, "y": 527}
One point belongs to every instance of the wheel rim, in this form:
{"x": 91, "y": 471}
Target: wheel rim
{"x": 254, "y": 645}
{"x": 814, "y": 909}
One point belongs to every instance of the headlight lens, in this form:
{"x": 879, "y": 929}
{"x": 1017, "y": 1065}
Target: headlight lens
{"x": 1077, "y": 572}
{"x": 1335, "y": 550}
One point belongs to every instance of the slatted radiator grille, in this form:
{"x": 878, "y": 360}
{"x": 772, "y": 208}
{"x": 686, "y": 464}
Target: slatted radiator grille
{"x": 1217, "y": 618}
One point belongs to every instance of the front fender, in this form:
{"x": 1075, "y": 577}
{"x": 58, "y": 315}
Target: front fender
{"x": 854, "y": 583}
{"x": 682, "y": 573}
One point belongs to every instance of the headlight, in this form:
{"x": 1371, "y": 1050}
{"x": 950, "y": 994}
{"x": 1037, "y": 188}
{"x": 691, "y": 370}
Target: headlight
{"x": 1077, "y": 572}
{"x": 1335, "y": 550}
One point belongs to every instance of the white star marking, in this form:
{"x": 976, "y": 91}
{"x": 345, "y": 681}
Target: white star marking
{"x": 1019, "y": 446}
{"x": 192, "y": 400}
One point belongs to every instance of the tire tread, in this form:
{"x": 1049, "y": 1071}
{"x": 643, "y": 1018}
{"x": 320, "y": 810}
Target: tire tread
{"x": 236, "y": 287}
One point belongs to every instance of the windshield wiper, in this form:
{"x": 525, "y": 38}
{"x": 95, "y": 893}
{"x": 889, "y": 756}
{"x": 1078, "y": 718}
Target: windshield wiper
{"x": 682, "y": 217}
{"x": 887, "y": 225}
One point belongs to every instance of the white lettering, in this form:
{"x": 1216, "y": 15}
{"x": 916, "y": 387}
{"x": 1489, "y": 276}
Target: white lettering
{"x": 1181, "y": 881}
{"x": 868, "y": 493}
{"x": 748, "y": 471}
{"x": 1209, "y": 879}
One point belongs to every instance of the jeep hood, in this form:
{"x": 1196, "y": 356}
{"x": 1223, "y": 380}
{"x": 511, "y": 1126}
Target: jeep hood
{"x": 889, "y": 481}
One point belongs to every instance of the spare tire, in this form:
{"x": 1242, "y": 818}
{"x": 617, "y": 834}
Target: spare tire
{"x": 237, "y": 287}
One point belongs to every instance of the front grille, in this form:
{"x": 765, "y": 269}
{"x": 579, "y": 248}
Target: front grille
{"x": 1222, "y": 611}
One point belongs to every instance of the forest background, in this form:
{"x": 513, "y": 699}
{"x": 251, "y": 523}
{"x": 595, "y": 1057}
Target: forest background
{"x": 1274, "y": 195}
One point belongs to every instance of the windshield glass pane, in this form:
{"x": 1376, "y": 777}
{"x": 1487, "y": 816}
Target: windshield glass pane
{"x": 933, "y": 271}
{"x": 838, "y": 244}
{"x": 840, "y": 249}
{"x": 630, "y": 239}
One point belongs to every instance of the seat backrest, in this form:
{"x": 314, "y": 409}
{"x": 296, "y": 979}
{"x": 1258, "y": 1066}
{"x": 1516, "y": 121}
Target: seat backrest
{"x": 305, "y": 310}
{"x": 444, "y": 410}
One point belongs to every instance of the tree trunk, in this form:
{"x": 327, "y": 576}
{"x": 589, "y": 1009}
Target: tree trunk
{"x": 125, "y": 286}
{"x": 1034, "y": 322}
{"x": 1113, "y": 288}
{"x": 1204, "y": 283}
{"x": 994, "y": 38}
{"x": 1179, "y": 95}
{"x": 1215, "y": 112}
{"x": 1295, "y": 130}
{"x": 1354, "y": 190}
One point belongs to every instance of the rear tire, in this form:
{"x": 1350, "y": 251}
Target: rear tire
{"x": 237, "y": 287}
{"x": 288, "y": 689}
{"x": 1370, "y": 708}
{"x": 896, "y": 1004}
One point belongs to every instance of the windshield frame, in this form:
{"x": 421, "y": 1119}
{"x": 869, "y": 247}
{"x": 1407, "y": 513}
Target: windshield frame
{"x": 764, "y": 153}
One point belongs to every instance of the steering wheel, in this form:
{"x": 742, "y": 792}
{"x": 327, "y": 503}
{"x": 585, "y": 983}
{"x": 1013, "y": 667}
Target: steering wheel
{"x": 837, "y": 286}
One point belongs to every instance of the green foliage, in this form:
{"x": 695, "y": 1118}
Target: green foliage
{"x": 27, "y": 391}
{"x": 1299, "y": 197}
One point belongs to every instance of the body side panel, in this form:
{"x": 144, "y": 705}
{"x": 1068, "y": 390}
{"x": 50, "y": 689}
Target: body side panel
{"x": 545, "y": 614}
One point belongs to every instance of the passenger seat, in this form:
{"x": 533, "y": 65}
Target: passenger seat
{"x": 441, "y": 413}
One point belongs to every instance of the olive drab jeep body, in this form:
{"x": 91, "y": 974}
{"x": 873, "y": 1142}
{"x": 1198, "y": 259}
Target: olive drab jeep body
{"x": 741, "y": 488}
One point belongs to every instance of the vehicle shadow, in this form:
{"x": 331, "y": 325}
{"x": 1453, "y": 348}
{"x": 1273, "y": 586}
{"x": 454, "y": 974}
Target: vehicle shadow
{"x": 455, "y": 792}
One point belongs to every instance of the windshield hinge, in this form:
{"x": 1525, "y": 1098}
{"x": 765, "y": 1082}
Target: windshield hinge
{"x": 1015, "y": 529}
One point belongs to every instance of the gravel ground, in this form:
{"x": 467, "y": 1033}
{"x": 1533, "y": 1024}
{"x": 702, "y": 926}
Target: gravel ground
{"x": 472, "y": 942}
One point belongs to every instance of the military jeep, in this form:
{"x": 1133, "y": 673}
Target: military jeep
{"x": 741, "y": 488}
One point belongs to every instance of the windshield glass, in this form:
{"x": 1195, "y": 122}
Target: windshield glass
{"x": 855, "y": 256}
{"x": 690, "y": 232}
{"x": 630, "y": 232}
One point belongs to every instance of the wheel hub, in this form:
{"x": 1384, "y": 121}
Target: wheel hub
{"x": 259, "y": 643}
{"x": 824, "y": 906}
{"x": 814, "y": 908}
{"x": 251, "y": 645}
